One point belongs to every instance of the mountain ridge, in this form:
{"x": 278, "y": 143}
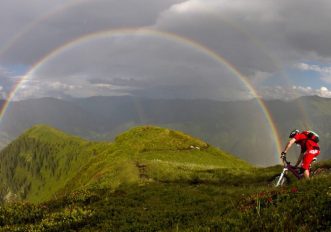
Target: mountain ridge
{"x": 236, "y": 127}
{"x": 44, "y": 161}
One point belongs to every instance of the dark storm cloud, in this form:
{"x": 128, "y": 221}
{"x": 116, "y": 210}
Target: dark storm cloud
{"x": 57, "y": 25}
{"x": 259, "y": 37}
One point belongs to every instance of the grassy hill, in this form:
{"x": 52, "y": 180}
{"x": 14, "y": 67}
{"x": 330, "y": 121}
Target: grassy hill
{"x": 40, "y": 161}
{"x": 44, "y": 161}
{"x": 149, "y": 179}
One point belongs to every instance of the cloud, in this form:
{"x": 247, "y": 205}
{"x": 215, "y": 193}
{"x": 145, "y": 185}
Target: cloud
{"x": 323, "y": 71}
{"x": 260, "y": 38}
{"x": 289, "y": 93}
{"x": 256, "y": 35}
{"x": 38, "y": 27}
{"x": 322, "y": 92}
{"x": 315, "y": 68}
{"x": 48, "y": 88}
{"x": 135, "y": 64}
{"x": 325, "y": 92}
{"x": 3, "y": 94}
{"x": 209, "y": 24}
{"x": 120, "y": 81}
{"x": 8, "y": 80}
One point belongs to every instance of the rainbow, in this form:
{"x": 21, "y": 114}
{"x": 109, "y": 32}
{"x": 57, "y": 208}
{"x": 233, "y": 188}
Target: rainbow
{"x": 156, "y": 33}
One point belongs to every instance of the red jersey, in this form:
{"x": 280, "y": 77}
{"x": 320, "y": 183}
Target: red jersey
{"x": 305, "y": 143}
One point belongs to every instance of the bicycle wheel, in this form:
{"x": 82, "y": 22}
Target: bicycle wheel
{"x": 283, "y": 182}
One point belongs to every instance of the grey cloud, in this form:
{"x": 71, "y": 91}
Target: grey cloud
{"x": 117, "y": 81}
{"x": 17, "y": 17}
{"x": 3, "y": 94}
{"x": 261, "y": 35}
{"x": 307, "y": 27}
{"x": 290, "y": 93}
{"x": 210, "y": 27}
{"x": 80, "y": 19}
{"x": 50, "y": 88}
{"x": 133, "y": 64}
{"x": 7, "y": 81}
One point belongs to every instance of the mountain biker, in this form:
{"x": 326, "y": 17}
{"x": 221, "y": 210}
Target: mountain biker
{"x": 309, "y": 148}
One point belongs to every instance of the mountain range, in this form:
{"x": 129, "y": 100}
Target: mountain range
{"x": 239, "y": 127}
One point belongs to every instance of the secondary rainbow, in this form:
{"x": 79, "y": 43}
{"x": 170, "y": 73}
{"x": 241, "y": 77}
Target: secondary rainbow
{"x": 30, "y": 26}
{"x": 156, "y": 33}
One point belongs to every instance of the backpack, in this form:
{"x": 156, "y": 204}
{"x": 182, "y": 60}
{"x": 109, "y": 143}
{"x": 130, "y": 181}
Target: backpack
{"x": 311, "y": 135}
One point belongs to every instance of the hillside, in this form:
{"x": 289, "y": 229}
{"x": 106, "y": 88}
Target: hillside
{"x": 39, "y": 162}
{"x": 149, "y": 179}
{"x": 179, "y": 207}
{"x": 43, "y": 161}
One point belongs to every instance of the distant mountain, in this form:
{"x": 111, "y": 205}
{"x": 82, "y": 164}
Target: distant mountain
{"x": 312, "y": 113}
{"x": 238, "y": 127}
{"x": 44, "y": 162}
{"x": 63, "y": 114}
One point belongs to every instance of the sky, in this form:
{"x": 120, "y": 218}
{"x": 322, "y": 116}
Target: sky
{"x": 216, "y": 49}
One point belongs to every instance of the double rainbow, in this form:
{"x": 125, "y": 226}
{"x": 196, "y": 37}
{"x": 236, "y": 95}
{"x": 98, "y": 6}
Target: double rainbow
{"x": 151, "y": 33}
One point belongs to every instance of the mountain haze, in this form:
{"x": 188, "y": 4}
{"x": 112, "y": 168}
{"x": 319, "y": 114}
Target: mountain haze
{"x": 239, "y": 127}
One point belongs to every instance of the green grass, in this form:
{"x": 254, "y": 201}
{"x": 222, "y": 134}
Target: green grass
{"x": 151, "y": 138}
{"x": 150, "y": 179}
{"x": 154, "y": 206}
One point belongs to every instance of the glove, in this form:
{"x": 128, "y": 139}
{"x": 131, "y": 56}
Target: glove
{"x": 283, "y": 155}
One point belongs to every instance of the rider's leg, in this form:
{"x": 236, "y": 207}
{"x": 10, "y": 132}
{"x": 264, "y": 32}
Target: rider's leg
{"x": 307, "y": 159}
{"x": 306, "y": 173}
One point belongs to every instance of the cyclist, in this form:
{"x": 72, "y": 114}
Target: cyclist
{"x": 309, "y": 148}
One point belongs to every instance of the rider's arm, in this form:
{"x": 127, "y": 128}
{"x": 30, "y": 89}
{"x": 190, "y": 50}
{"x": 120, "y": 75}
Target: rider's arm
{"x": 299, "y": 159}
{"x": 289, "y": 144}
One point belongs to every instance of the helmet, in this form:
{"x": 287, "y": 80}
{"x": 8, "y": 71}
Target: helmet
{"x": 293, "y": 133}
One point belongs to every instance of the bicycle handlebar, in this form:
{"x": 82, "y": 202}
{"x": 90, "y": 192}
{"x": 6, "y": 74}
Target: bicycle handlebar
{"x": 283, "y": 157}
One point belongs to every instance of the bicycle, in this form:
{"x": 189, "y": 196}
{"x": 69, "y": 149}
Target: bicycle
{"x": 282, "y": 179}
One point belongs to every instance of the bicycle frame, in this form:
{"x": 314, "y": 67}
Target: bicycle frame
{"x": 291, "y": 168}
